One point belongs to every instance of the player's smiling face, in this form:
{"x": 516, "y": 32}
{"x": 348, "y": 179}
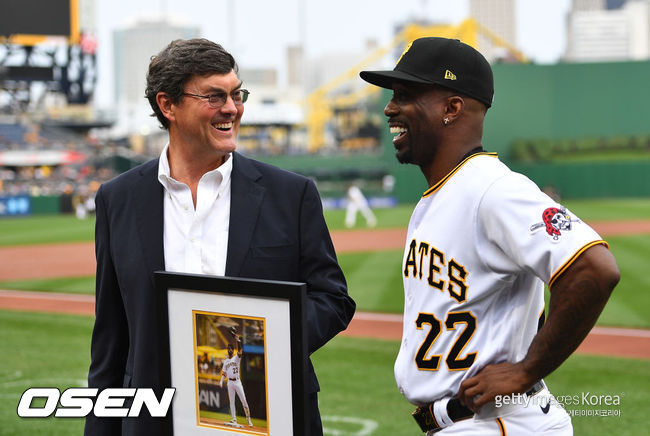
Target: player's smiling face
{"x": 414, "y": 117}
{"x": 199, "y": 124}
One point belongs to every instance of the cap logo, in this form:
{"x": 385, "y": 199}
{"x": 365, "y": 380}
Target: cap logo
{"x": 408, "y": 47}
{"x": 449, "y": 75}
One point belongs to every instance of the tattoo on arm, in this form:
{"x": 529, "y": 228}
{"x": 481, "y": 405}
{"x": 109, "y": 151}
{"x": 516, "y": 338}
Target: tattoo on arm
{"x": 573, "y": 310}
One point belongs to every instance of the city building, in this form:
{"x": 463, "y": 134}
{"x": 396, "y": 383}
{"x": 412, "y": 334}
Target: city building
{"x": 499, "y": 16}
{"x": 608, "y": 30}
{"x": 133, "y": 47}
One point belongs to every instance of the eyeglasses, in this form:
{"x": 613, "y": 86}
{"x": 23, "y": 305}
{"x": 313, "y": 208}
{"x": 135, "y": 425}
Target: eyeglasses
{"x": 218, "y": 99}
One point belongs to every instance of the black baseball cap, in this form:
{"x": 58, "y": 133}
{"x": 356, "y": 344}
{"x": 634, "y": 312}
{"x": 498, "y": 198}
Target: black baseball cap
{"x": 440, "y": 61}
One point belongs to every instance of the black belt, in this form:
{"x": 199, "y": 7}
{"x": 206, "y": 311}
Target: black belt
{"x": 232, "y": 379}
{"x": 425, "y": 417}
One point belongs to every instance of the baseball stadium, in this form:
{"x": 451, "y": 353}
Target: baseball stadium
{"x": 579, "y": 130}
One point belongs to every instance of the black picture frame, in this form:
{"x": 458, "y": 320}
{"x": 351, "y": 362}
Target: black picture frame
{"x": 267, "y": 299}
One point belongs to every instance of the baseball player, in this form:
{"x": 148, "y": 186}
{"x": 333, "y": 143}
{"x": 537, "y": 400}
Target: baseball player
{"x": 357, "y": 202}
{"x": 230, "y": 371}
{"x": 481, "y": 243}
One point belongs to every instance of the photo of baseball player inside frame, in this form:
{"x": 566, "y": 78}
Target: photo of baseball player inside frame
{"x": 230, "y": 372}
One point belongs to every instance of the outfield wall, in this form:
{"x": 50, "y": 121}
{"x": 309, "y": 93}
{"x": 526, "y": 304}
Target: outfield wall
{"x": 562, "y": 101}
{"x": 567, "y": 101}
{"x": 17, "y": 205}
{"x": 593, "y": 180}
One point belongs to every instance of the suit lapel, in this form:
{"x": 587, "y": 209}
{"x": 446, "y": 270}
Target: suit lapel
{"x": 246, "y": 196}
{"x": 149, "y": 216}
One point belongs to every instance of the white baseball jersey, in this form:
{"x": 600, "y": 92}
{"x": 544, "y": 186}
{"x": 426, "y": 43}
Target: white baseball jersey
{"x": 235, "y": 387}
{"x": 231, "y": 366}
{"x": 480, "y": 245}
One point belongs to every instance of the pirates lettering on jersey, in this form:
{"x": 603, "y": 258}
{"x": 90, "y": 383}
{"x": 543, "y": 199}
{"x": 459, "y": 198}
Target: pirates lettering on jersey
{"x": 457, "y": 274}
{"x": 425, "y": 258}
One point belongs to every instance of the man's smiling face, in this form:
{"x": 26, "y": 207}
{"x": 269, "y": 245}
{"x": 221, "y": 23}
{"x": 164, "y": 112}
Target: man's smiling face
{"x": 415, "y": 115}
{"x": 200, "y": 124}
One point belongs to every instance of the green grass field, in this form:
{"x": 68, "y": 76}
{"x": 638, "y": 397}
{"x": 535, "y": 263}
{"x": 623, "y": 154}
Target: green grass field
{"x": 225, "y": 417}
{"x": 58, "y": 228}
{"x": 41, "y": 350}
{"x": 375, "y": 282}
{"x": 45, "y": 229}
{"x": 356, "y": 375}
{"x": 69, "y": 285}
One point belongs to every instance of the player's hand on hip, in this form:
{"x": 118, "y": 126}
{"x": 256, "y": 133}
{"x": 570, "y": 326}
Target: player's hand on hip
{"x": 499, "y": 379}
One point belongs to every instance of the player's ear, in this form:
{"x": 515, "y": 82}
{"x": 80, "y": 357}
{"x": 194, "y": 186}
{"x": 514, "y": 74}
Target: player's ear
{"x": 454, "y": 106}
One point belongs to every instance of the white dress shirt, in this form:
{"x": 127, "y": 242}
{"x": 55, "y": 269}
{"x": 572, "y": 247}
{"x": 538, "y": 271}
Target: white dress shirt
{"x": 196, "y": 240}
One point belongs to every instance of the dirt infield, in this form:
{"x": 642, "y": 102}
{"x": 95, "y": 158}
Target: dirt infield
{"x": 47, "y": 261}
{"x": 78, "y": 259}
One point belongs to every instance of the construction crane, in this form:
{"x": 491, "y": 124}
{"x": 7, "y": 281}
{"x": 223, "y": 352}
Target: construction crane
{"x": 321, "y": 102}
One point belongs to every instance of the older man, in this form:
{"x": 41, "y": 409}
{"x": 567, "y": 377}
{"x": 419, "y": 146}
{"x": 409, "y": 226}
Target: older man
{"x": 202, "y": 208}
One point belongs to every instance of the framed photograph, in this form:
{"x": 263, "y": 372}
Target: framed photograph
{"x": 237, "y": 354}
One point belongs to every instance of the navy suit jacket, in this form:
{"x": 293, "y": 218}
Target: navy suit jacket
{"x": 277, "y": 232}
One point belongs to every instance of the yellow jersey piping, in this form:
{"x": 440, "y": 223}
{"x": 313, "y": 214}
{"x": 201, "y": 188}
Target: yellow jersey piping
{"x": 502, "y": 427}
{"x": 573, "y": 258}
{"x": 438, "y": 185}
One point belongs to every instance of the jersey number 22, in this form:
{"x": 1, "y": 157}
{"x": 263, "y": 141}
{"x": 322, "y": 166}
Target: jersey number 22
{"x": 454, "y": 361}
